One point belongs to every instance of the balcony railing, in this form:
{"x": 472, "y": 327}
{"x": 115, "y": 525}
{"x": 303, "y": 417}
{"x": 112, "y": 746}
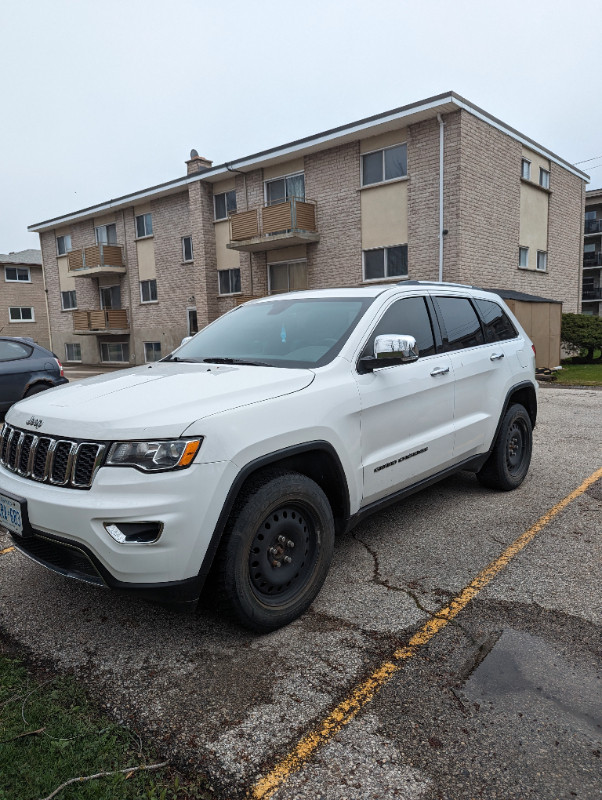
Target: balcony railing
{"x": 592, "y": 294}
{"x": 288, "y": 223}
{"x": 592, "y": 260}
{"x": 98, "y": 258}
{"x": 593, "y": 226}
{"x": 104, "y": 320}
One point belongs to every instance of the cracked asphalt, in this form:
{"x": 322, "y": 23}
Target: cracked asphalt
{"x": 504, "y": 702}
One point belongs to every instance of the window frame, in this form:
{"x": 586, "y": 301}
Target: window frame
{"x": 527, "y": 162}
{"x": 229, "y": 271}
{"x": 13, "y": 308}
{"x": 149, "y": 281}
{"x": 280, "y": 263}
{"x": 152, "y": 361}
{"x": 106, "y": 229}
{"x": 67, "y": 249}
{"x": 228, "y": 213}
{"x": 184, "y": 259}
{"x": 73, "y": 360}
{"x": 384, "y": 180}
{"x": 69, "y": 308}
{"x": 385, "y": 263}
{"x": 524, "y": 249}
{"x": 143, "y": 216}
{"x": 17, "y": 279}
{"x": 543, "y": 253}
{"x": 544, "y": 184}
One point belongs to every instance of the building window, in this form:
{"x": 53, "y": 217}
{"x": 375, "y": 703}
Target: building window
{"x": 542, "y": 260}
{"x": 224, "y": 204}
{"x": 523, "y": 256}
{"x": 229, "y": 281}
{"x": 282, "y": 189}
{"x": 152, "y": 351}
{"x": 193, "y": 323}
{"x": 288, "y": 276}
{"x": 106, "y": 234}
{"x": 148, "y": 291}
{"x": 187, "y": 248}
{"x": 68, "y": 300}
{"x": 110, "y": 297}
{"x": 525, "y": 169}
{"x": 19, "y": 274}
{"x": 144, "y": 225}
{"x": 544, "y": 178}
{"x": 385, "y": 165}
{"x": 114, "y": 351}
{"x": 63, "y": 244}
{"x": 21, "y": 314}
{"x": 73, "y": 351}
{"x": 386, "y": 262}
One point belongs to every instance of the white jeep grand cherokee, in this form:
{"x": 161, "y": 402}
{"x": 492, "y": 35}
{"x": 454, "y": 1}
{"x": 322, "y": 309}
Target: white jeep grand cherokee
{"x": 288, "y": 419}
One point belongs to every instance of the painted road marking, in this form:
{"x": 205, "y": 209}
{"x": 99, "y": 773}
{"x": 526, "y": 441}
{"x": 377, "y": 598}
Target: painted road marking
{"x": 6, "y": 550}
{"x": 362, "y": 694}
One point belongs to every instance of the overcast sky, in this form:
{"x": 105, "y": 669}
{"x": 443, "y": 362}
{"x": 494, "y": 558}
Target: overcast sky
{"x": 103, "y": 98}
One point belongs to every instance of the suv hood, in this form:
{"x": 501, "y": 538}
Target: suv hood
{"x": 159, "y": 400}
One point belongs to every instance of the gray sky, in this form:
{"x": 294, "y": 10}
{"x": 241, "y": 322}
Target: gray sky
{"x": 103, "y": 98}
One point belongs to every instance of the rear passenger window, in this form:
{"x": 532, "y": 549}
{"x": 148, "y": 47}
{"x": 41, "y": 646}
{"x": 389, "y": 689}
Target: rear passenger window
{"x": 407, "y": 317}
{"x": 498, "y": 325}
{"x": 460, "y": 322}
{"x": 9, "y": 351}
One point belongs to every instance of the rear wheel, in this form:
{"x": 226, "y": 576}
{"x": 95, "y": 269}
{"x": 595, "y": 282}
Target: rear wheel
{"x": 276, "y": 550}
{"x": 36, "y": 389}
{"x": 508, "y": 464}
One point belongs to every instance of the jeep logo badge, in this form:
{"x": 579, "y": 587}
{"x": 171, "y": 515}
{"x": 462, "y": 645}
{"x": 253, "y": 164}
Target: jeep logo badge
{"x": 37, "y": 423}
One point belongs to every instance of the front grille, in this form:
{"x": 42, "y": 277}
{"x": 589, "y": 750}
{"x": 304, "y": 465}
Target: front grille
{"x": 63, "y": 462}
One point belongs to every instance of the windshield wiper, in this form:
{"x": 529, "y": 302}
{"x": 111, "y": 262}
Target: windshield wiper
{"x": 183, "y": 360}
{"x": 224, "y": 360}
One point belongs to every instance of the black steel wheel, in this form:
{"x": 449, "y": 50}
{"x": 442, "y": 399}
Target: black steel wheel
{"x": 276, "y": 550}
{"x": 508, "y": 464}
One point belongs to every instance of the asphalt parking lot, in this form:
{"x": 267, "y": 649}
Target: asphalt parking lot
{"x": 500, "y": 700}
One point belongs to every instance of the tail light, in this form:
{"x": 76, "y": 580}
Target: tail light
{"x": 60, "y": 366}
{"x": 533, "y": 348}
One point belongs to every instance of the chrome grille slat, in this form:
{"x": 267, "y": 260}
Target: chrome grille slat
{"x": 50, "y": 459}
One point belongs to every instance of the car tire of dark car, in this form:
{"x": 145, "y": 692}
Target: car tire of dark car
{"x": 36, "y": 389}
{"x": 508, "y": 464}
{"x": 276, "y": 550}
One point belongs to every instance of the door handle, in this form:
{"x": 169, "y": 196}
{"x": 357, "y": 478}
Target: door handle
{"x": 496, "y": 356}
{"x": 440, "y": 371}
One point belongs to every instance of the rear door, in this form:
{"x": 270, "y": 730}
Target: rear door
{"x": 15, "y": 369}
{"x": 407, "y": 411}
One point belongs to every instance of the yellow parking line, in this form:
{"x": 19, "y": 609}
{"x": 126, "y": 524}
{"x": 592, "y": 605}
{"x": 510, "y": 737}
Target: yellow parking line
{"x": 364, "y": 692}
{"x": 6, "y": 550}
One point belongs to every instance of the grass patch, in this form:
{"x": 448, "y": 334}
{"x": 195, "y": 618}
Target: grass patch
{"x": 66, "y": 737}
{"x": 580, "y": 374}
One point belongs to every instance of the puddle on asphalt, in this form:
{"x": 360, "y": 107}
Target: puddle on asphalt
{"x": 520, "y": 673}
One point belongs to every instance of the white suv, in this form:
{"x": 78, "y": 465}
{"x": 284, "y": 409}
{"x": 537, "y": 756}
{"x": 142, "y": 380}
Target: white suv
{"x": 241, "y": 454}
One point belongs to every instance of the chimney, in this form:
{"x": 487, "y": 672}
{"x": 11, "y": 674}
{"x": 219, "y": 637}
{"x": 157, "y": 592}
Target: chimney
{"x": 197, "y": 163}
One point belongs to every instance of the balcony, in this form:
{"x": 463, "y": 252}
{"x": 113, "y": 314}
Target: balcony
{"x": 593, "y": 226}
{"x": 99, "y": 259}
{"x": 106, "y": 321}
{"x": 282, "y": 225}
{"x": 592, "y": 260}
{"x": 592, "y": 295}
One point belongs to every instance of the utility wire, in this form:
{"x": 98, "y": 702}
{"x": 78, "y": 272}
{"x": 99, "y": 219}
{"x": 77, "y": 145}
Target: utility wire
{"x": 595, "y": 158}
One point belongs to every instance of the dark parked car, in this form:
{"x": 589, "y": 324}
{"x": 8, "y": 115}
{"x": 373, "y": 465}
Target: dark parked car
{"x": 26, "y": 369}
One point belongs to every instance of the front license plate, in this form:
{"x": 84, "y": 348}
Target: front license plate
{"x": 11, "y": 515}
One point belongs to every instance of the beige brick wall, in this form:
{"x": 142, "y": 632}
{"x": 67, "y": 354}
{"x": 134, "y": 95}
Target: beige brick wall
{"x": 30, "y": 295}
{"x": 565, "y": 238}
{"x": 423, "y": 201}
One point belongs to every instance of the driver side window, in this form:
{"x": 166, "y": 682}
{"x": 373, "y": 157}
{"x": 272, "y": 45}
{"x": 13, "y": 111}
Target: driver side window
{"x": 408, "y": 317}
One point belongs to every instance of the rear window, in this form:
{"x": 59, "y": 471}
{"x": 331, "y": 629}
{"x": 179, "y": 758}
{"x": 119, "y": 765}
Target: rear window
{"x": 10, "y": 351}
{"x": 460, "y": 322}
{"x": 498, "y": 325}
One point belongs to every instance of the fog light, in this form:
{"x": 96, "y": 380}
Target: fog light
{"x": 134, "y": 532}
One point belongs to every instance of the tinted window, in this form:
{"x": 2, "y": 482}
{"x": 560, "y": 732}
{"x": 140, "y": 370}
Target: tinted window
{"x": 407, "y": 317}
{"x": 496, "y": 322}
{"x": 13, "y": 350}
{"x": 461, "y": 323}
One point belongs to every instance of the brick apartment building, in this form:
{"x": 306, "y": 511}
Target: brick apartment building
{"x": 592, "y": 254}
{"x": 438, "y": 187}
{"x": 22, "y": 297}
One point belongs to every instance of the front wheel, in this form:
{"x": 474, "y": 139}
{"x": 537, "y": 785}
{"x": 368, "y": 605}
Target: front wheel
{"x": 276, "y": 550}
{"x": 508, "y": 464}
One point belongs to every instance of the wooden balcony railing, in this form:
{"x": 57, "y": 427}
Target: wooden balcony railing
{"x": 101, "y": 320}
{"x": 292, "y": 217}
{"x": 98, "y": 257}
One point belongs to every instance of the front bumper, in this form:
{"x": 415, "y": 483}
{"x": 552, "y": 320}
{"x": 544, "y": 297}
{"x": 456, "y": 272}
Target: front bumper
{"x": 68, "y": 533}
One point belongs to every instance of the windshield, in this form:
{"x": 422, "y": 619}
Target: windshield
{"x": 278, "y": 333}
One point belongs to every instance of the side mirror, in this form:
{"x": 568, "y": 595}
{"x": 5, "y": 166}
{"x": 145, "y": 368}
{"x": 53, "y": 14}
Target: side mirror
{"x": 390, "y": 350}
{"x": 185, "y": 340}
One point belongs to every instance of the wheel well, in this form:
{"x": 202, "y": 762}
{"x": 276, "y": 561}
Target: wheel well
{"x": 323, "y": 468}
{"x": 526, "y": 397}
{"x": 37, "y": 382}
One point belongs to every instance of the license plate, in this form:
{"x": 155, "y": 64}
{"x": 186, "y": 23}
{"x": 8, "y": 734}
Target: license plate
{"x": 11, "y": 516}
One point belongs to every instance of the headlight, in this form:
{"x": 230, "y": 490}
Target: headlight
{"x": 154, "y": 456}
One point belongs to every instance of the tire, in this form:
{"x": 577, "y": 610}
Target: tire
{"x": 508, "y": 464}
{"x": 276, "y": 550}
{"x": 36, "y": 389}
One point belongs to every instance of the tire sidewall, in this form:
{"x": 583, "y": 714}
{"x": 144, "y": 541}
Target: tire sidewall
{"x": 515, "y": 412}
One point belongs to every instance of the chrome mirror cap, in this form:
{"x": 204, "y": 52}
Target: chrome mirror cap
{"x": 185, "y": 340}
{"x": 401, "y": 348}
